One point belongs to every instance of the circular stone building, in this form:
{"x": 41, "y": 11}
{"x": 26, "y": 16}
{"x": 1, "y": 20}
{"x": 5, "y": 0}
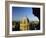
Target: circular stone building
{"x": 24, "y": 24}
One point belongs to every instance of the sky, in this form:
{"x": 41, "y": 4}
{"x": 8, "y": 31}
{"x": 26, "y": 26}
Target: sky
{"x": 19, "y": 12}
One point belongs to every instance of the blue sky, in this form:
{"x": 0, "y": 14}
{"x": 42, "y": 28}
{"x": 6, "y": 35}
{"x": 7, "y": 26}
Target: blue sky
{"x": 18, "y": 12}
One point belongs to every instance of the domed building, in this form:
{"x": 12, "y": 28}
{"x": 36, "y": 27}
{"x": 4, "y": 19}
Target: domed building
{"x": 24, "y": 23}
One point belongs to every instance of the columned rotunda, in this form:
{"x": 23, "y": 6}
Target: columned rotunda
{"x": 24, "y": 24}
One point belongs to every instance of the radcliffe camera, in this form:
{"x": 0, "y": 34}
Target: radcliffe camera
{"x": 25, "y": 18}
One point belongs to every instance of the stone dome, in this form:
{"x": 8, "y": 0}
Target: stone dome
{"x": 25, "y": 18}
